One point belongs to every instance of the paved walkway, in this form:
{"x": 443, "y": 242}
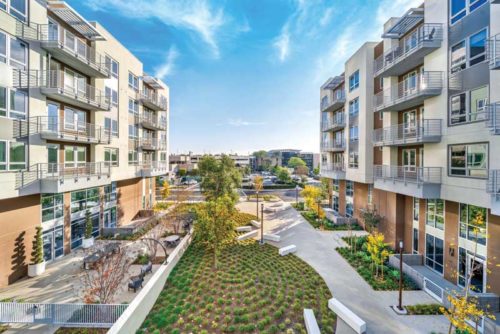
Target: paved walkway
{"x": 318, "y": 249}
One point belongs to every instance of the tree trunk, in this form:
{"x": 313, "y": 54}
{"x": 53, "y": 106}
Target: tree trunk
{"x": 215, "y": 260}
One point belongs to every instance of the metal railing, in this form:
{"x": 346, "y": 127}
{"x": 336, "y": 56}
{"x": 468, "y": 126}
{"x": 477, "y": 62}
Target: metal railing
{"x": 493, "y": 183}
{"x": 422, "y": 83}
{"x": 403, "y": 133}
{"x": 151, "y": 143}
{"x": 153, "y": 166}
{"x": 333, "y": 146}
{"x": 332, "y": 167}
{"x": 43, "y": 171}
{"x": 493, "y": 117}
{"x": 152, "y": 120}
{"x": 338, "y": 97}
{"x": 429, "y": 33}
{"x": 79, "y": 130}
{"x": 70, "y": 86}
{"x": 154, "y": 98}
{"x": 65, "y": 315}
{"x": 408, "y": 174}
{"x": 73, "y": 45}
{"x": 337, "y": 121}
{"x": 493, "y": 51}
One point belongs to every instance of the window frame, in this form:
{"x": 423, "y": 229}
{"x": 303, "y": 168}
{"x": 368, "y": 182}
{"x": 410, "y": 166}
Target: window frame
{"x": 7, "y": 165}
{"x": 466, "y": 168}
{"x": 433, "y": 222}
{"x": 464, "y": 226}
{"x": 54, "y": 207}
{"x": 354, "y": 107}
{"x": 135, "y": 81}
{"x": 466, "y": 62}
{"x": 109, "y": 61}
{"x": 135, "y": 106}
{"x": 469, "y": 7}
{"x": 111, "y": 162}
{"x": 12, "y": 11}
{"x": 354, "y": 81}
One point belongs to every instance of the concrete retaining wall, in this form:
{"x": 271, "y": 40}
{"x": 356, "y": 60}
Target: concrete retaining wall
{"x": 347, "y": 321}
{"x": 139, "y": 308}
{"x": 408, "y": 261}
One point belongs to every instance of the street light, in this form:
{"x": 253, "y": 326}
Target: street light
{"x": 400, "y": 306}
{"x": 297, "y": 188}
{"x": 261, "y": 224}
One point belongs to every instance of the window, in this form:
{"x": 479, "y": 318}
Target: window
{"x": 469, "y": 160}
{"x": 349, "y": 188}
{"x": 477, "y": 47}
{"x": 111, "y": 126}
{"x": 78, "y": 230}
{"x": 75, "y": 156}
{"x": 353, "y": 133}
{"x": 75, "y": 120}
{"x": 458, "y": 109}
{"x": 353, "y": 160}
{"x": 111, "y": 156}
{"x": 163, "y": 156}
{"x": 133, "y": 81}
{"x": 335, "y": 185}
{"x": 469, "y": 106}
{"x": 461, "y": 8}
{"x": 469, "y": 229}
{"x": 335, "y": 203}
{"x": 435, "y": 213}
{"x": 52, "y": 207}
{"x": 473, "y": 266}
{"x": 132, "y": 157}
{"x": 369, "y": 199}
{"x": 416, "y": 209}
{"x": 415, "y": 241}
{"x": 410, "y": 160}
{"x": 84, "y": 199}
{"x": 12, "y": 155}
{"x": 133, "y": 106}
{"x": 469, "y": 52}
{"x": 112, "y": 66}
{"x": 16, "y": 8}
{"x": 3, "y": 155}
{"x": 133, "y": 131}
{"x": 112, "y": 95}
{"x": 3, "y": 47}
{"x": 110, "y": 192}
{"x": 458, "y": 57}
{"x": 18, "y": 104}
{"x": 434, "y": 253}
{"x": 354, "y": 81}
{"x": 354, "y": 107}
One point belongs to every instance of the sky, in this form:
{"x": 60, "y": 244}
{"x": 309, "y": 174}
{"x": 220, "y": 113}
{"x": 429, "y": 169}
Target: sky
{"x": 244, "y": 75}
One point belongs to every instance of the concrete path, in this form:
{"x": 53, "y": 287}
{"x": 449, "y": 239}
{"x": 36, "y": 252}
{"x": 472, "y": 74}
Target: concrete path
{"x": 317, "y": 248}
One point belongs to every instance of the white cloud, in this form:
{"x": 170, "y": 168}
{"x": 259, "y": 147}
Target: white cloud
{"x": 282, "y": 44}
{"x": 239, "y": 123}
{"x": 196, "y": 16}
{"x": 326, "y": 18}
{"x": 168, "y": 65}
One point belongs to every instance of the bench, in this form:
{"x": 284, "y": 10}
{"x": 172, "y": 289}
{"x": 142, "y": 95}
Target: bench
{"x": 247, "y": 235}
{"x": 255, "y": 223}
{"x": 244, "y": 229}
{"x": 287, "y": 250}
{"x": 310, "y": 321}
{"x": 272, "y": 237}
{"x": 347, "y": 318}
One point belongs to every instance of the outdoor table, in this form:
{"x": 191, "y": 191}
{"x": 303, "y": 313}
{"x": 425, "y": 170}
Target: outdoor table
{"x": 112, "y": 248}
{"x": 172, "y": 239}
{"x": 91, "y": 260}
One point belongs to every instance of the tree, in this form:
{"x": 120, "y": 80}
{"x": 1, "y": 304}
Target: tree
{"x": 295, "y": 162}
{"x": 219, "y": 177}
{"x": 258, "y": 185}
{"x": 151, "y": 241}
{"x": 88, "y": 225}
{"x": 101, "y": 284}
{"x": 313, "y": 196}
{"x": 377, "y": 248}
{"x": 282, "y": 174}
{"x": 301, "y": 170}
{"x": 165, "y": 190}
{"x": 37, "y": 249}
{"x": 182, "y": 172}
{"x": 316, "y": 171}
{"x": 371, "y": 218}
{"x": 214, "y": 225}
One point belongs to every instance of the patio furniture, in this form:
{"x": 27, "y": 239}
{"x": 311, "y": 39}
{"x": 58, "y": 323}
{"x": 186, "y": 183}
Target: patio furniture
{"x": 147, "y": 268}
{"x": 135, "y": 282}
{"x": 112, "y": 248}
{"x": 91, "y": 260}
{"x": 172, "y": 240}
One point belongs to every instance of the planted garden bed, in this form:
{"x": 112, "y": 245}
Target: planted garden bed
{"x": 254, "y": 291}
{"x": 360, "y": 259}
{"x": 424, "y": 309}
{"x": 326, "y": 224}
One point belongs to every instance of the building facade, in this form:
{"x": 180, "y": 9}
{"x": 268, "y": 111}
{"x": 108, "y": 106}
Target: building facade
{"x": 189, "y": 162}
{"x": 82, "y": 129}
{"x": 281, "y": 158}
{"x": 427, "y": 99}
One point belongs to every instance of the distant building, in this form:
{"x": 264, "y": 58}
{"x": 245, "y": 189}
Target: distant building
{"x": 282, "y": 157}
{"x": 189, "y": 162}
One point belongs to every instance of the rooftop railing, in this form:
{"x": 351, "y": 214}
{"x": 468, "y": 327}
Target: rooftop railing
{"x": 408, "y": 133}
{"x": 408, "y": 174}
{"x": 78, "y": 131}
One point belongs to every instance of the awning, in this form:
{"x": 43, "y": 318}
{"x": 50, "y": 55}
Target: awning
{"x": 152, "y": 81}
{"x": 405, "y": 23}
{"x": 334, "y": 82}
{"x": 67, "y": 14}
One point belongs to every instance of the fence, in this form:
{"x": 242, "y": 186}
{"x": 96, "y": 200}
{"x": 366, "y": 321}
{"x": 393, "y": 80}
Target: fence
{"x": 64, "y": 315}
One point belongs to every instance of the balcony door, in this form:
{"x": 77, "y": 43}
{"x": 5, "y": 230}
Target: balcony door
{"x": 410, "y": 83}
{"x": 53, "y": 158}
{"x": 75, "y": 120}
{"x": 53, "y": 117}
{"x": 410, "y": 160}
{"x": 53, "y": 31}
{"x": 409, "y": 122}
{"x": 75, "y": 83}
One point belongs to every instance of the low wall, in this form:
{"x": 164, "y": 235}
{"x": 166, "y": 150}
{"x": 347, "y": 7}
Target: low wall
{"x": 139, "y": 308}
{"x": 408, "y": 261}
{"x": 347, "y": 321}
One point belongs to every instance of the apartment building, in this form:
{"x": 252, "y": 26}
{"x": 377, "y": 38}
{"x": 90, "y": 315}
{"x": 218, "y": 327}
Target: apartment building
{"x": 430, "y": 139}
{"x": 281, "y": 157}
{"x": 190, "y": 161}
{"x": 82, "y": 129}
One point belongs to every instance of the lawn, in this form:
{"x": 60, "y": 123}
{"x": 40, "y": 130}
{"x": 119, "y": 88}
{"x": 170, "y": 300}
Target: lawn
{"x": 254, "y": 290}
{"x": 361, "y": 261}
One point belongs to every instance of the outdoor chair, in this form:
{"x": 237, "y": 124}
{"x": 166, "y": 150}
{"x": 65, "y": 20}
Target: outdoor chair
{"x": 135, "y": 283}
{"x": 147, "y": 268}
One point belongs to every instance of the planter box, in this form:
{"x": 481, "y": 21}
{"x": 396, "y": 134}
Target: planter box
{"x": 87, "y": 243}
{"x": 35, "y": 270}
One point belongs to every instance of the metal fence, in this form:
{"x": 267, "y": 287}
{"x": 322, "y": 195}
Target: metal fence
{"x": 493, "y": 183}
{"x": 407, "y": 133}
{"x": 408, "y": 174}
{"x": 493, "y": 117}
{"x": 64, "y": 315}
{"x": 493, "y": 51}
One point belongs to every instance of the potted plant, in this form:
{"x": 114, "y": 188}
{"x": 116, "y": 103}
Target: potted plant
{"x": 37, "y": 265}
{"x": 88, "y": 239}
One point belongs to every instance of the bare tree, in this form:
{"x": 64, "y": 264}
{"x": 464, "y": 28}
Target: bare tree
{"x": 105, "y": 280}
{"x": 151, "y": 240}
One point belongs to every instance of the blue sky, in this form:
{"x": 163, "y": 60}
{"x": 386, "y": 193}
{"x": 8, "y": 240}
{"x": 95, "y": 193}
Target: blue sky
{"x": 244, "y": 75}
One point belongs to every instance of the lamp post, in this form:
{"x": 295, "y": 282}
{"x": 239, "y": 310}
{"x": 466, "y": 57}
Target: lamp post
{"x": 297, "y": 188}
{"x": 257, "y": 193}
{"x": 400, "y": 305}
{"x": 261, "y": 224}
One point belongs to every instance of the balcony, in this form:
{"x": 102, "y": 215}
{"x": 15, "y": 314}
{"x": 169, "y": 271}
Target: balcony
{"x": 337, "y": 102}
{"x": 153, "y": 100}
{"x": 73, "y": 51}
{"x": 152, "y": 121}
{"x": 493, "y": 51}
{"x": 493, "y": 188}
{"x": 421, "y": 182}
{"x": 407, "y": 56}
{"x": 151, "y": 144}
{"x": 427, "y": 131}
{"x": 54, "y": 128}
{"x": 152, "y": 168}
{"x": 493, "y": 118}
{"x": 60, "y": 177}
{"x": 61, "y": 87}
{"x": 333, "y": 146}
{"x": 337, "y": 123}
{"x": 410, "y": 93}
{"x": 333, "y": 171}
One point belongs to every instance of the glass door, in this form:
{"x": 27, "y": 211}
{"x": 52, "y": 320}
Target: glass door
{"x": 53, "y": 117}
{"x": 53, "y": 31}
{"x": 53, "y": 158}
{"x": 409, "y": 160}
{"x": 410, "y": 122}
{"x": 48, "y": 246}
{"x": 53, "y": 244}
{"x": 477, "y": 268}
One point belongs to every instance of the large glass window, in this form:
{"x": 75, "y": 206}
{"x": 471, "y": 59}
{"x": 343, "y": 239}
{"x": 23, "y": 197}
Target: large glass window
{"x": 112, "y": 66}
{"x": 18, "y": 54}
{"x": 18, "y": 104}
{"x": 458, "y": 57}
{"x": 353, "y": 160}
{"x": 3, "y": 47}
{"x": 477, "y": 47}
{"x": 111, "y": 156}
{"x": 469, "y": 106}
{"x": 75, "y": 156}
{"x": 110, "y": 192}
{"x": 354, "y": 81}
{"x": 469, "y": 227}
{"x": 17, "y": 8}
{"x": 354, "y": 107}
{"x": 133, "y": 81}
{"x": 84, "y": 199}
{"x": 52, "y": 206}
{"x": 78, "y": 230}
{"x": 353, "y": 133}
{"x": 434, "y": 253}
{"x": 460, "y": 8}
{"x": 469, "y": 160}
{"x": 17, "y": 156}
{"x": 435, "y": 213}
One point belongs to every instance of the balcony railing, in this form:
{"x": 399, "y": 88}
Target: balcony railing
{"x": 153, "y": 100}
{"x": 408, "y": 174}
{"x": 493, "y": 51}
{"x": 56, "y": 128}
{"x": 63, "y": 87}
{"x": 410, "y": 54}
{"x": 59, "y": 171}
{"x": 152, "y": 168}
{"x": 333, "y": 146}
{"x": 73, "y": 50}
{"x": 337, "y": 122}
{"x": 336, "y": 102}
{"x": 493, "y": 117}
{"x": 152, "y": 121}
{"x": 334, "y": 170}
{"x": 409, "y": 92}
{"x": 429, "y": 130}
{"x": 493, "y": 183}
{"x": 151, "y": 144}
